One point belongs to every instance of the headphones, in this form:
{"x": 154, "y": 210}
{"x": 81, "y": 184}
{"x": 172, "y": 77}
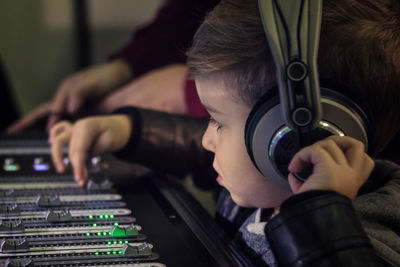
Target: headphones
{"x": 302, "y": 109}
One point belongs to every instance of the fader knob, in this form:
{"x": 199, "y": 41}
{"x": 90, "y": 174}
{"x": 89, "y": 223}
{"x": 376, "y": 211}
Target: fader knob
{"x": 19, "y": 263}
{"x": 99, "y": 185}
{"x": 48, "y": 201}
{"x": 131, "y": 230}
{"x": 14, "y": 246}
{"x": 58, "y": 216}
{"x": 142, "y": 250}
{"x": 17, "y": 226}
{"x": 7, "y": 193}
{"x": 9, "y": 208}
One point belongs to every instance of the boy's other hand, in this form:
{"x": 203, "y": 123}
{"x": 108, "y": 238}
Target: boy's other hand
{"x": 93, "y": 136}
{"x": 339, "y": 164}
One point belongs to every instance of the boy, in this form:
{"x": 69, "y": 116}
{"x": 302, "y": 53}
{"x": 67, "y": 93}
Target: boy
{"x": 313, "y": 224}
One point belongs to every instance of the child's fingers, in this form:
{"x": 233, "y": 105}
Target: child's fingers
{"x": 58, "y": 128}
{"x": 83, "y": 137}
{"x": 368, "y": 166}
{"x": 57, "y": 149}
{"x": 352, "y": 149}
{"x": 294, "y": 183}
{"x": 313, "y": 154}
{"x": 333, "y": 149}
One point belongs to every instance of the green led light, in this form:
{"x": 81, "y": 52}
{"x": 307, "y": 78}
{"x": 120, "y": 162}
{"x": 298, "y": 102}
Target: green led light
{"x": 96, "y": 253}
{"x": 116, "y": 223}
{"x": 88, "y": 234}
{"x": 109, "y": 242}
{"x": 114, "y": 252}
{"x": 90, "y": 216}
{"x": 120, "y": 242}
{"x": 95, "y": 224}
{"x": 110, "y": 233}
{"x": 120, "y": 252}
{"x": 104, "y": 233}
{"x": 106, "y": 216}
{"x": 101, "y": 216}
{"x": 111, "y": 216}
{"x": 108, "y": 252}
{"x": 98, "y": 233}
{"x": 126, "y": 242}
{"x": 115, "y": 242}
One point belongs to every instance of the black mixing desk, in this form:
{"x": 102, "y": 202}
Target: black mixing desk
{"x": 125, "y": 216}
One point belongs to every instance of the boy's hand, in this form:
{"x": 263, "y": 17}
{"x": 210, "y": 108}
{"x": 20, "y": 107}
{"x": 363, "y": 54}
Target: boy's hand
{"x": 93, "y": 135}
{"x": 340, "y": 164}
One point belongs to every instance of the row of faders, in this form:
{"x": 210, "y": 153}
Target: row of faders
{"x": 46, "y": 219}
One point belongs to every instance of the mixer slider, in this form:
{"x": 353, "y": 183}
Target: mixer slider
{"x": 58, "y": 216}
{"x": 143, "y": 250}
{"x": 131, "y": 230}
{"x": 11, "y": 208}
{"x": 7, "y": 193}
{"x": 7, "y": 245}
{"x": 15, "y": 226}
{"x": 19, "y": 263}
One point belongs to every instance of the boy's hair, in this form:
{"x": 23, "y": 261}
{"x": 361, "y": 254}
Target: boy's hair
{"x": 359, "y": 46}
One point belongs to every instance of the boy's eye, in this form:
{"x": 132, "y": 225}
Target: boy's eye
{"x": 215, "y": 123}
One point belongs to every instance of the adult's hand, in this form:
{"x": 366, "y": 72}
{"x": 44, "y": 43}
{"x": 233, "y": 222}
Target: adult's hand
{"x": 79, "y": 92}
{"x": 31, "y": 119}
{"x": 87, "y": 87}
{"x": 161, "y": 89}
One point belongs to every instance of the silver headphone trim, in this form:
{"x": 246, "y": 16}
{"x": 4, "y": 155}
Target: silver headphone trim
{"x": 285, "y": 130}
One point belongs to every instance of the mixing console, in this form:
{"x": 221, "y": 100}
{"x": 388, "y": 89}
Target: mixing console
{"x": 46, "y": 219}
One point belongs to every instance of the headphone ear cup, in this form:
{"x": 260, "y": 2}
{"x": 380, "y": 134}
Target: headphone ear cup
{"x": 263, "y": 105}
{"x": 271, "y": 144}
{"x": 264, "y": 120}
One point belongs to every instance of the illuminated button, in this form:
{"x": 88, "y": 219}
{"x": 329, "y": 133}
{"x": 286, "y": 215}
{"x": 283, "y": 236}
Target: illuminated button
{"x": 40, "y": 165}
{"x": 66, "y": 161}
{"x": 95, "y": 161}
{"x": 10, "y": 165}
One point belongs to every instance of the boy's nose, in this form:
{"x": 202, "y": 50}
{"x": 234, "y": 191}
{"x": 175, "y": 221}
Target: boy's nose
{"x": 207, "y": 140}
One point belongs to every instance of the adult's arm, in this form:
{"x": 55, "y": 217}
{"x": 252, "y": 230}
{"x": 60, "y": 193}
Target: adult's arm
{"x": 166, "y": 39}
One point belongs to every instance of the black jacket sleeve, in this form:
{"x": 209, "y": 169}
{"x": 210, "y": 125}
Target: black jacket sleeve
{"x": 319, "y": 228}
{"x": 168, "y": 143}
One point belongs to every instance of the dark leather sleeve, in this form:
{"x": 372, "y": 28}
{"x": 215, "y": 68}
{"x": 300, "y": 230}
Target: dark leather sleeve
{"x": 168, "y": 143}
{"x": 319, "y": 228}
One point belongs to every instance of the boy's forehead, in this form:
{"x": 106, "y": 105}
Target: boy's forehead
{"x": 216, "y": 98}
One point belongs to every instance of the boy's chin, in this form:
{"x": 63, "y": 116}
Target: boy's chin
{"x": 242, "y": 202}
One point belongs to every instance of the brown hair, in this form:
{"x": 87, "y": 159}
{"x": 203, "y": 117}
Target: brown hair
{"x": 359, "y": 46}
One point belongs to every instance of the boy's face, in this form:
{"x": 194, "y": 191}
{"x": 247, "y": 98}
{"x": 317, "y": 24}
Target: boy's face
{"x": 225, "y": 138}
